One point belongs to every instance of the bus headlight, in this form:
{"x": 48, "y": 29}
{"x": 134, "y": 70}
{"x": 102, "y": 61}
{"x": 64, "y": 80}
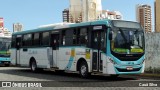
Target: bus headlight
{"x": 111, "y": 60}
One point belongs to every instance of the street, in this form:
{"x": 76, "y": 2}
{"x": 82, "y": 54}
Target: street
{"x": 71, "y": 79}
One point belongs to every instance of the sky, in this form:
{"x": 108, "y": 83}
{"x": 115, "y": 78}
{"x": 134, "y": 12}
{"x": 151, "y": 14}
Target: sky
{"x": 34, "y": 13}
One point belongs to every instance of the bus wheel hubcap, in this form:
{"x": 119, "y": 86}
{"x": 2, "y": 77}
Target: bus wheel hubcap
{"x": 83, "y": 70}
{"x": 33, "y": 66}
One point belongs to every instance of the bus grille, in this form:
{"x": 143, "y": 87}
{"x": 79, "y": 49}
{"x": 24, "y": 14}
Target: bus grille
{"x": 128, "y": 58}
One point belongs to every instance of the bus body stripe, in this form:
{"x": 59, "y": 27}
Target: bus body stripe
{"x": 71, "y": 59}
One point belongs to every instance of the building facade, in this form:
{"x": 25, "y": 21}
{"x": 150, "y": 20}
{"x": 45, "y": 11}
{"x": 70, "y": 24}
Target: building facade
{"x": 70, "y": 19}
{"x": 157, "y": 16}
{"x": 17, "y": 27}
{"x": 1, "y": 23}
{"x": 7, "y": 32}
{"x": 65, "y": 15}
{"x": 1, "y": 26}
{"x": 143, "y": 15}
{"x": 82, "y": 11}
{"x": 91, "y": 10}
{"x": 88, "y": 10}
{"x": 114, "y": 15}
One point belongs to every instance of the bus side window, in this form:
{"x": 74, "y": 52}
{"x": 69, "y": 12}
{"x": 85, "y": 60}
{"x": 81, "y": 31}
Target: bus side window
{"x": 78, "y": 36}
{"x": 69, "y": 37}
{"x": 27, "y": 40}
{"x": 45, "y": 38}
{"x": 74, "y": 37}
{"x": 24, "y": 40}
{"x": 83, "y": 36}
{"x": 63, "y": 37}
{"x": 13, "y": 43}
{"x": 36, "y": 39}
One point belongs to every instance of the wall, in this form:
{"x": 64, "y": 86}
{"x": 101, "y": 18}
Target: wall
{"x": 152, "y": 52}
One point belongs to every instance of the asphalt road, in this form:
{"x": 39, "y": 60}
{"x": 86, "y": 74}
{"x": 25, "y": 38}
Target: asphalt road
{"x": 53, "y": 79}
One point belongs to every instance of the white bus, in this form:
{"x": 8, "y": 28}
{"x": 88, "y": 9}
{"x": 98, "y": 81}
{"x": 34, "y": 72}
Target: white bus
{"x": 106, "y": 47}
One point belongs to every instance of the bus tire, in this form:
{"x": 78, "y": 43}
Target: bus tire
{"x": 83, "y": 70}
{"x": 33, "y": 66}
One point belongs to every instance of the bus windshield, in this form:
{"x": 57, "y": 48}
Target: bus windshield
{"x": 127, "y": 41}
{"x": 4, "y": 47}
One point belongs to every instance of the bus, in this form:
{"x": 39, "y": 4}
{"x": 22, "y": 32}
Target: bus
{"x": 5, "y": 50}
{"x": 109, "y": 47}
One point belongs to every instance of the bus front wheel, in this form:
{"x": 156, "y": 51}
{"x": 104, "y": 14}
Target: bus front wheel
{"x": 83, "y": 70}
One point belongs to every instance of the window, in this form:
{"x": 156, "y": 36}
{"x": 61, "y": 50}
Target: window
{"x": 13, "y": 43}
{"x": 27, "y": 40}
{"x": 63, "y": 37}
{"x": 74, "y": 36}
{"x": 45, "y": 38}
{"x": 36, "y": 39}
{"x": 69, "y": 37}
{"x": 103, "y": 41}
{"x": 83, "y": 36}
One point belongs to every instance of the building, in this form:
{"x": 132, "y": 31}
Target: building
{"x": 7, "y": 33}
{"x": 91, "y": 10}
{"x": 143, "y": 15}
{"x": 66, "y": 16}
{"x": 82, "y": 11}
{"x": 1, "y": 26}
{"x": 88, "y": 10}
{"x": 4, "y": 32}
{"x": 1, "y": 23}
{"x": 17, "y": 27}
{"x": 114, "y": 15}
{"x": 75, "y": 11}
{"x": 157, "y": 16}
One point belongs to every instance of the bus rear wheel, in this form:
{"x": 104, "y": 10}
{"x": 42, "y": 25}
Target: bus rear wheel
{"x": 33, "y": 66}
{"x": 83, "y": 70}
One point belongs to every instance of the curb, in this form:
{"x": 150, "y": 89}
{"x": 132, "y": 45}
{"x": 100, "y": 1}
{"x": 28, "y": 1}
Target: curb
{"x": 150, "y": 75}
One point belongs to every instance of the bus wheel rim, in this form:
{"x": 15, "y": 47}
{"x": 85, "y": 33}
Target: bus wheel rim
{"x": 33, "y": 66}
{"x": 83, "y": 70}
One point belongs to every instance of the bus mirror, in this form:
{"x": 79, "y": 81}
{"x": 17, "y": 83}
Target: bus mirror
{"x": 110, "y": 35}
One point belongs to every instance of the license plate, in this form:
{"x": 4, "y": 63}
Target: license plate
{"x": 129, "y": 68}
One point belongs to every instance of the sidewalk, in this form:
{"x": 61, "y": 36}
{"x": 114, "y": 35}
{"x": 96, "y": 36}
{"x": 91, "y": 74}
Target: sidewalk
{"x": 150, "y": 75}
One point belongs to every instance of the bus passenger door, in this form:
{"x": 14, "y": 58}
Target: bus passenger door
{"x": 55, "y": 48}
{"x": 18, "y": 41}
{"x": 98, "y": 40}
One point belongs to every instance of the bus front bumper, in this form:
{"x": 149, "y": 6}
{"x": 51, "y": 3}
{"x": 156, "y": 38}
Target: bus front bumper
{"x": 135, "y": 69}
{"x": 4, "y": 60}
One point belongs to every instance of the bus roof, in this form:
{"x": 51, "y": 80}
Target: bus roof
{"x": 61, "y": 26}
{"x": 66, "y": 25}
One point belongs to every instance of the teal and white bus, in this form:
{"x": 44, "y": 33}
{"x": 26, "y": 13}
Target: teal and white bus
{"x": 5, "y": 43}
{"x": 111, "y": 47}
